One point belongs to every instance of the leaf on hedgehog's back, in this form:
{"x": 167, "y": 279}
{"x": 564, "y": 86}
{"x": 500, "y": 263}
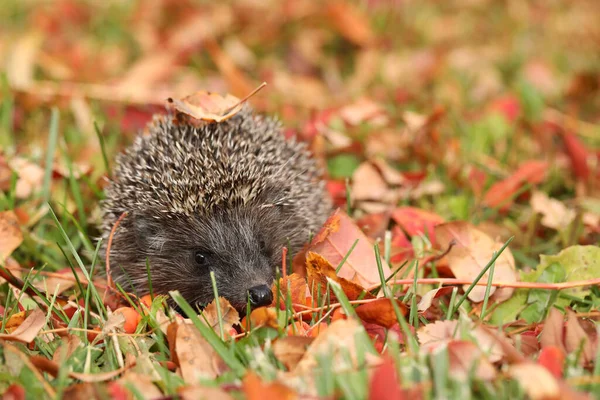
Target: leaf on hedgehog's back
{"x": 211, "y": 107}
{"x": 318, "y": 269}
{"x": 336, "y": 239}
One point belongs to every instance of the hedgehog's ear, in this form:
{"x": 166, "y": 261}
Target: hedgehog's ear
{"x": 147, "y": 230}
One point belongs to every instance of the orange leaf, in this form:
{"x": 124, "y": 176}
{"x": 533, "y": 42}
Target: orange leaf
{"x": 229, "y": 315}
{"x": 256, "y": 389}
{"x": 318, "y": 269}
{"x": 381, "y": 312}
{"x": 553, "y": 359}
{"x": 350, "y": 22}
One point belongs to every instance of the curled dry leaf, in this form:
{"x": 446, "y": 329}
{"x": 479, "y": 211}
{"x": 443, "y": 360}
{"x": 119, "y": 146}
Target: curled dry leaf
{"x": 472, "y": 251}
{"x": 210, "y": 107}
{"x": 229, "y": 315}
{"x": 431, "y": 295}
{"x": 28, "y": 329}
{"x": 10, "y": 234}
{"x": 318, "y": 269}
{"x": 335, "y": 240}
{"x": 290, "y": 349}
{"x": 381, "y": 312}
{"x": 537, "y": 382}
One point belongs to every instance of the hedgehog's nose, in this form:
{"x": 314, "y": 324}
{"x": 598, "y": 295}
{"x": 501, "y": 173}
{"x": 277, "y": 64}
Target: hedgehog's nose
{"x": 260, "y": 295}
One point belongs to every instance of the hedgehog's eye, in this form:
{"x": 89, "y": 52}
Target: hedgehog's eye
{"x": 262, "y": 244}
{"x": 200, "y": 258}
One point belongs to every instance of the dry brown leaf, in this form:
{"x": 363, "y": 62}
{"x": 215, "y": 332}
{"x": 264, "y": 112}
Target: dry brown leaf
{"x": 555, "y": 214}
{"x": 229, "y": 315}
{"x": 576, "y": 337}
{"x": 536, "y": 380}
{"x": 207, "y": 106}
{"x": 471, "y": 253}
{"x": 427, "y": 298}
{"x": 195, "y": 356}
{"x": 335, "y": 240}
{"x": 10, "y": 234}
{"x": 318, "y": 269}
{"x": 390, "y": 174}
{"x": 28, "y": 329}
{"x": 290, "y": 349}
{"x": 53, "y": 368}
{"x": 298, "y": 290}
{"x": 364, "y": 109}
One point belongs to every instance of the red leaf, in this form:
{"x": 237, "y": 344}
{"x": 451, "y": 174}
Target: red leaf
{"x": 578, "y": 155}
{"x": 553, "y": 359}
{"x": 415, "y": 221}
{"x": 508, "y": 106}
{"x": 385, "y": 383}
{"x": 501, "y": 193}
{"x": 14, "y": 392}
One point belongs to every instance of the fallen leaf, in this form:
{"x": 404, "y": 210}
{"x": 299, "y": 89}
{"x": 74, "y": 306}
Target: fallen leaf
{"x": 340, "y": 342}
{"x": 194, "y": 354}
{"x": 142, "y": 383}
{"x": 536, "y": 380}
{"x": 203, "y": 392}
{"x": 415, "y": 221}
{"x": 440, "y": 333}
{"x": 553, "y": 359}
{"x": 367, "y": 184}
{"x": 466, "y": 358}
{"x": 30, "y": 176}
{"x": 427, "y": 298}
{"x": 555, "y": 214}
{"x": 10, "y": 234}
{"x": 262, "y": 316}
{"x": 290, "y": 349}
{"x": 576, "y": 338}
{"x": 297, "y": 288}
{"x": 350, "y": 22}
{"x": 472, "y": 251}
{"x": 381, "y": 312}
{"x": 229, "y": 315}
{"x": 256, "y": 389}
{"x": 28, "y": 329}
{"x": 207, "y": 106}
{"x": 318, "y": 269}
{"x": 578, "y": 155}
{"x": 335, "y": 240}
{"x": 385, "y": 383}
{"x": 553, "y": 331}
{"x": 501, "y": 194}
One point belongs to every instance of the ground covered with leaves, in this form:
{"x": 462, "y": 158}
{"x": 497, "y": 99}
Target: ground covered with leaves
{"x": 461, "y": 141}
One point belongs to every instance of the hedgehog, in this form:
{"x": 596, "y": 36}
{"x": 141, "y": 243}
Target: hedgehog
{"x": 221, "y": 196}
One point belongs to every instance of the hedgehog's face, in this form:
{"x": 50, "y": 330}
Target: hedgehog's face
{"x": 242, "y": 248}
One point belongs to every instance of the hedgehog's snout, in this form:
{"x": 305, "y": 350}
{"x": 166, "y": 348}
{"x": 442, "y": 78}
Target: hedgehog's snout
{"x": 260, "y": 295}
